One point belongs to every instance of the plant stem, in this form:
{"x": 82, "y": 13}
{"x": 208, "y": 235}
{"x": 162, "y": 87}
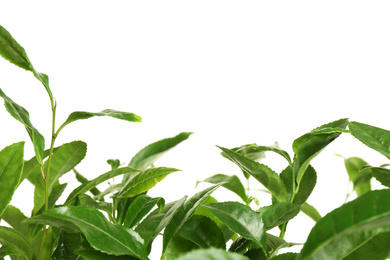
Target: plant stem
{"x": 46, "y": 178}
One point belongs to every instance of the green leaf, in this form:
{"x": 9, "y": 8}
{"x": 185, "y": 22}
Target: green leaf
{"x": 212, "y": 254}
{"x": 374, "y": 137}
{"x": 45, "y": 219}
{"x": 184, "y": 213}
{"x": 156, "y": 221}
{"x": 260, "y": 172}
{"x": 347, "y": 228}
{"x": 64, "y": 159}
{"x": 12, "y": 51}
{"x": 178, "y": 247}
{"x": 311, "y": 144}
{"x": 101, "y": 234}
{"x": 278, "y": 214}
{"x": 310, "y": 211}
{"x": 144, "y": 181}
{"x": 286, "y": 256}
{"x": 66, "y": 245}
{"x": 80, "y": 178}
{"x": 22, "y": 115}
{"x": 148, "y": 155}
{"x": 85, "y": 200}
{"x": 11, "y": 167}
{"x": 140, "y": 207}
{"x": 232, "y": 183}
{"x": 353, "y": 166}
{"x": 87, "y": 186}
{"x": 241, "y": 219}
{"x": 15, "y": 240}
{"x": 78, "y": 115}
{"x": 203, "y": 231}
{"x": 14, "y": 217}
{"x": 243, "y": 150}
{"x": 381, "y": 174}
{"x": 307, "y": 185}
{"x": 376, "y": 248}
{"x": 249, "y": 151}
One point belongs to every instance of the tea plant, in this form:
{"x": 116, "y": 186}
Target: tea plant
{"x": 122, "y": 221}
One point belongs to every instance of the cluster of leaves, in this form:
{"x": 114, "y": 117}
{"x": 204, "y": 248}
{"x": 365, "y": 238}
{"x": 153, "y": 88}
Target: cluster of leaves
{"x": 122, "y": 221}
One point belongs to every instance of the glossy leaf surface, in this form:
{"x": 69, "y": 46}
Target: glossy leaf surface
{"x": 212, "y": 254}
{"x": 376, "y": 248}
{"x": 381, "y": 174}
{"x": 310, "y": 211}
{"x": 144, "y": 181}
{"x": 140, "y": 207}
{"x": 353, "y": 166}
{"x": 311, "y": 144}
{"x": 148, "y": 155}
{"x": 232, "y": 183}
{"x": 22, "y": 115}
{"x": 260, "y": 172}
{"x": 78, "y": 115}
{"x": 184, "y": 213}
{"x": 15, "y": 217}
{"x": 101, "y": 234}
{"x": 156, "y": 221}
{"x": 64, "y": 159}
{"x": 83, "y": 188}
{"x": 15, "y": 240}
{"x": 12, "y": 51}
{"x": 374, "y": 137}
{"x": 258, "y": 148}
{"x": 347, "y": 228}
{"x": 277, "y": 214}
{"x": 241, "y": 219}
{"x": 11, "y": 167}
{"x": 203, "y": 231}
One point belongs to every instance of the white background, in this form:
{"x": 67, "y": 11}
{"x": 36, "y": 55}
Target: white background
{"x": 232, "y": 72}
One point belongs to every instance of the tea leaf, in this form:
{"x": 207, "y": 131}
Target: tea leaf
{"x": 83, "y": 188}
{"x": 286, "y": 256}
{"x": 259, "y": 148}
{"x": 347, "y": 228}
{"x": 144, "y": 181}
{"x": 203, "y": 231}
{"x": 15, "y": 240}
{"x": 353, "y": 166}
{"x": 232, "y": 183}
{"x": 381, "y": 174}
{"x": 11, "y": 50}
{"x": 376, "y": 248}
{"x": 101, "y": 234}
{"x": 78, "y": 115}
{"x": 310, "y": 211}
{"x": 140, "y": 207}
{"x": 156, "y": 221}
{"x": 184, "y": 213}
{"x": 22, "y": 115}
{"x": 311, "y": 144}
{"x": 277, "y": 214}
{"x": 260, "y": 172}
{"x": 66, "y": 245}
{"x": 148, "y": 155}
{"x": 241, "y": 219}
{"x": 374, "y": 137}
{"x": 211, "y": 254}
{"x": 64, "y": 159}
{"x": 14, "y": 217}
{"x": 11, "y": 167}
{"x": 178, "y": 247}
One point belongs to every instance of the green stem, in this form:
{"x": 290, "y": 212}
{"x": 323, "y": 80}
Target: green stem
{"x": 46, "y": 176}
